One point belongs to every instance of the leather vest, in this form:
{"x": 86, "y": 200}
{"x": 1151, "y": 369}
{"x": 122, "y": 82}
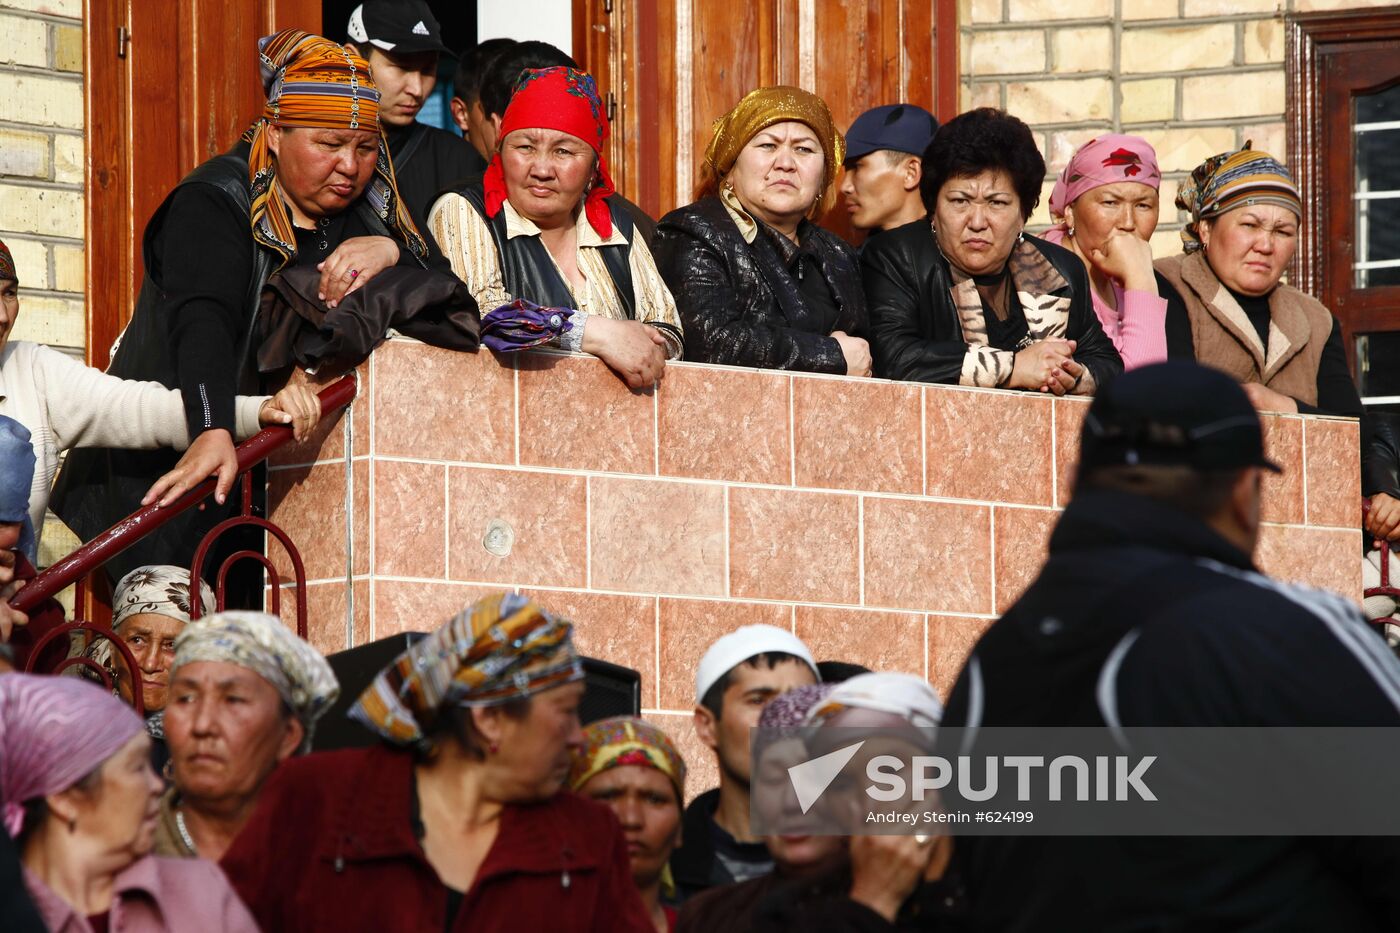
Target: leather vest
{"x": 529, "y": 272}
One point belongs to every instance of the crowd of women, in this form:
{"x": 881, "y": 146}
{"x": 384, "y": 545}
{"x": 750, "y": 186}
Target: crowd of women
{"x": 456, "y": 819}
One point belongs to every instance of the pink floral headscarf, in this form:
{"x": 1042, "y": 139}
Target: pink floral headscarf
{"x": 1104, "y": 160}
{"x": 53, "y": 732}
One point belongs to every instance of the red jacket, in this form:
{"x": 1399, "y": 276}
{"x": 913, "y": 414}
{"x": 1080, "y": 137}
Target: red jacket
{"x": 43, "y": 618}
{"x": 331, "y": 847}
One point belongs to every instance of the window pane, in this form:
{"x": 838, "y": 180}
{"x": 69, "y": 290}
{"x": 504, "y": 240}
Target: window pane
{"x": 1377, "y": 132}
{"x": 1377, "y": 375}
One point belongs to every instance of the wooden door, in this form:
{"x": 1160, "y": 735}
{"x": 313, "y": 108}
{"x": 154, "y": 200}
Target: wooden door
{"x": 168, "y": 85}
{"x": 670, "y": 68}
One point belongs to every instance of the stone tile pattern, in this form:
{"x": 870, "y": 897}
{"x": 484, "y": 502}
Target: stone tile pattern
{"x": 763, "y": 517}
{"x": 1194, "y": 78}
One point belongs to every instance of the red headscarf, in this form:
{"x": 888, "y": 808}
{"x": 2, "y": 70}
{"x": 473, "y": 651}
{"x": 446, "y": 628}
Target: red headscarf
{"x": 565, "y": 100}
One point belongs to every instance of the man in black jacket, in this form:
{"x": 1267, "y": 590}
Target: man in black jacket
{"x": 1150, "y": 612}
{"x": 402, "y": 41}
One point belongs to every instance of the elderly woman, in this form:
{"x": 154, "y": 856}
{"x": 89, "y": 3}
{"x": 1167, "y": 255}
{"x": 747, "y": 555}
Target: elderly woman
{"x": 150, "y": 607}
{"x": 1106, "y": 208}
{"x": 1282, "y": 345}
{"x": 456, "y": 822}
{"x": 633, "y": 767}
{"x": 757, "y": 283}
{"x": 309, "y": 184}
{"x": 970, "y": 299}
{"x": 81, "y": 803}
{"x": 540, "y": 227}
{"x": 245, "y": 694}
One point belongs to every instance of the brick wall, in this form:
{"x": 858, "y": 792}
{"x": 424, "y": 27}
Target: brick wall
{"x": 41, "y": 180}
{"x": 1194, "y": 77}
{"x": 886, "y": 523}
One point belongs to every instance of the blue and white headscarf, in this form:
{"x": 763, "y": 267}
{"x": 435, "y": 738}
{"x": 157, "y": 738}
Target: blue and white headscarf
{"x": 16, "y": 476}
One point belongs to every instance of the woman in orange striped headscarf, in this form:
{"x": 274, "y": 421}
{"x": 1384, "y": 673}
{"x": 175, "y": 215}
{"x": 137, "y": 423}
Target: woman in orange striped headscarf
{"x": 310, "y": 184}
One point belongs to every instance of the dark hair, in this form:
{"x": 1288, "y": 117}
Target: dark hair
{"x": 713, "y": 700}
{"x": 458, "y": 724}
{"x": 834, "y": 672}
{"x": 36, "y": 809}
{"x": 978, "y": 140}
{"x": 466, "y": 80}
{"x": 498, "y": 79}
{"x": 1198, "y": 493}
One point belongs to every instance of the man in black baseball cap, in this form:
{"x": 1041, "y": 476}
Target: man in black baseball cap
{"x": 1150, "y": 612}
{"x": 401, "y": 40}
{"x": 884, "y": 164}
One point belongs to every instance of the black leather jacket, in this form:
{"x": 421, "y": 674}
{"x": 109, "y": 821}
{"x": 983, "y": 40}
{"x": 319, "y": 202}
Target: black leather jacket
{"x": 1380, "y": 454}
{"x": 738, "y": 302}
{"x": 915, "y": 332}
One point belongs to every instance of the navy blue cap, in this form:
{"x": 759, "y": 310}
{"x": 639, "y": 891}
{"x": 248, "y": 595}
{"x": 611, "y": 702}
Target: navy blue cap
{"x": 901, "y": 127}
{"x": 1173, "y": 414}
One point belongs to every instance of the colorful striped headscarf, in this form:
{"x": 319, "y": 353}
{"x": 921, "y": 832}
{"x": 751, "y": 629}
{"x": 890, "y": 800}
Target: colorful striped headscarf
{"x": 7, "y": 265}
{"x": 1104, "y": 160}
{"x": 311, "y": 81}
{"x": 54, "y": 731}
{"x": 565, "y": 100}
{"x": 1230, "y": 180}
{"x": 501, "y": 648}
{"x": 263, "y": 644}
{"x": 626, "y": 740}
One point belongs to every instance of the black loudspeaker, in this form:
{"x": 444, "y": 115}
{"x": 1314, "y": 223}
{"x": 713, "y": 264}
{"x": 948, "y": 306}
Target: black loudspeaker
{"x": 611, "y": 690}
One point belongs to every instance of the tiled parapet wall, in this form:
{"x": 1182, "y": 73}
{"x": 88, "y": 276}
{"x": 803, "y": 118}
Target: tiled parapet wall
{"x": 886, "y": 523}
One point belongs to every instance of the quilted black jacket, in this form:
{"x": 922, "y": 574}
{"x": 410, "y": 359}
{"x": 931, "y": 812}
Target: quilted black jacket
{"x": 738, "y": 302}
{"x": 915, "y": 331}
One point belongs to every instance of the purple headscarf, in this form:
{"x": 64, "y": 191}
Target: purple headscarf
{"x": 53, "y": 732}
{"x": 789, "y": 710}
{"x": 1104, "y": 160}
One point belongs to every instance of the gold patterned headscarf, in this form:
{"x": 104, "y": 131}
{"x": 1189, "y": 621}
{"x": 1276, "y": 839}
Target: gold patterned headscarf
{"x": 766, "y": 107}
{"x": 311, "y": 81}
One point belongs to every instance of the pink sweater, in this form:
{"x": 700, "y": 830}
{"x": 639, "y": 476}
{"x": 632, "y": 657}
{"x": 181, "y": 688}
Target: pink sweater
{"x": 155, "y": 895}
{"x": 1138, "y": 328}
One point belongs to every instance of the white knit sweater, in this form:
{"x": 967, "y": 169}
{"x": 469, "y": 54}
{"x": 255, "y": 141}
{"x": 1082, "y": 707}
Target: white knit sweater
{"x": 66, "y": 404}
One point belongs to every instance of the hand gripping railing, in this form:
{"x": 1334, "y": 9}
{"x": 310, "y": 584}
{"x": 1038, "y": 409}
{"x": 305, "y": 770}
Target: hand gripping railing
{"x": 147, "y": 519}
{"x": 1385, "y": 588}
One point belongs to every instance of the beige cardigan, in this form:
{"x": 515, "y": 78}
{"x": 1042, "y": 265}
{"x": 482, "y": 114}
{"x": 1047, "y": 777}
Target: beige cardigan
{"x": 66, "y": 404}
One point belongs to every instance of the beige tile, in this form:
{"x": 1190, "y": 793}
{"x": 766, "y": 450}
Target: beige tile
{"x": 409, "y": 519}
{"x": 576, "y": 413}
{"x": 435, "y": 404}
{"x": 724, "y": 424}
{"x": 993, "y": 446}
{"x": 785, "y": 544}
{"x": 651, "y": 536}
{"x": 930, "y": 556}
{"x": 1022, "y": 545}
{"x": 881, "y": 641}
{"x": 858, "y": 434}
{"x": 1333, "y": 473}
{"x": 543, "y": 514}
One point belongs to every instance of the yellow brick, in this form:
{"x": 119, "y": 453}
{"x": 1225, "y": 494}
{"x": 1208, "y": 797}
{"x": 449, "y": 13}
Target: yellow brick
{"x": 1062, "y": 146}
{"x": 69, "y": 272}
{"x": 1178, "y": 48}
{"x": 1088, "y": 48}
{"x": 1196, "y": 8}
{"x": 1267, "y": 137}
{"x": 1263, "y": 41}
{"x": 26, "y": 42}
{"x": 41, "y": 101}
{"x": 1310, "y": 6}
{"x": 57, "y": 542}
{"x": 41, "y": 210}
{"x": 24, "y": 154}
{"x": 1077, "y": 100}
{"x": 1152, "y": 100}
{"x": 1225, "y": 96}
{"x": 31, "y": 261}
{"x": 1183, "y": 148}
{"x": 72, "y": 9}
{"x": 68, "y": 158}
{"x": 58, "y": 322}
{"x": 1166, "y": 242}
{"x": 1033, "y": 11}
{"x": 1041, "y": 215}
{"x": 1008, "y": 51}
{"x": 1166, "y": 197}
{"x": 984, "y": 12}
{"x": 984, "y": 94}
{"x": 1149, "y": 9}
{"x": 68, "y": 48}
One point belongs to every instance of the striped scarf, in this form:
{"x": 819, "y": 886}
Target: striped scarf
{"x": 313, "y": 82}
{"x": 1230, "y": 180}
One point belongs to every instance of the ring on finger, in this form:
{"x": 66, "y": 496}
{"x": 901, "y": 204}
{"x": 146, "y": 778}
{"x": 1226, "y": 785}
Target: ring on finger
{"x": 354, "y": 273}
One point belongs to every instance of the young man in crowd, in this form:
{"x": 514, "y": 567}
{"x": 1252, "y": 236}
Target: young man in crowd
{"x": 736, "y": 678}
{"x": 884, "y": 164}
{"x": 402, "y": 42}
{"x": 466, "y": 95}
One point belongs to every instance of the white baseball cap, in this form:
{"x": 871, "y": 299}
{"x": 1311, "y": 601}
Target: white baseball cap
{"x": 741, "y": 644}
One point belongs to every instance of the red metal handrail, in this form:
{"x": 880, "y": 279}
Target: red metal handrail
{"x": 143, "y": 521}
